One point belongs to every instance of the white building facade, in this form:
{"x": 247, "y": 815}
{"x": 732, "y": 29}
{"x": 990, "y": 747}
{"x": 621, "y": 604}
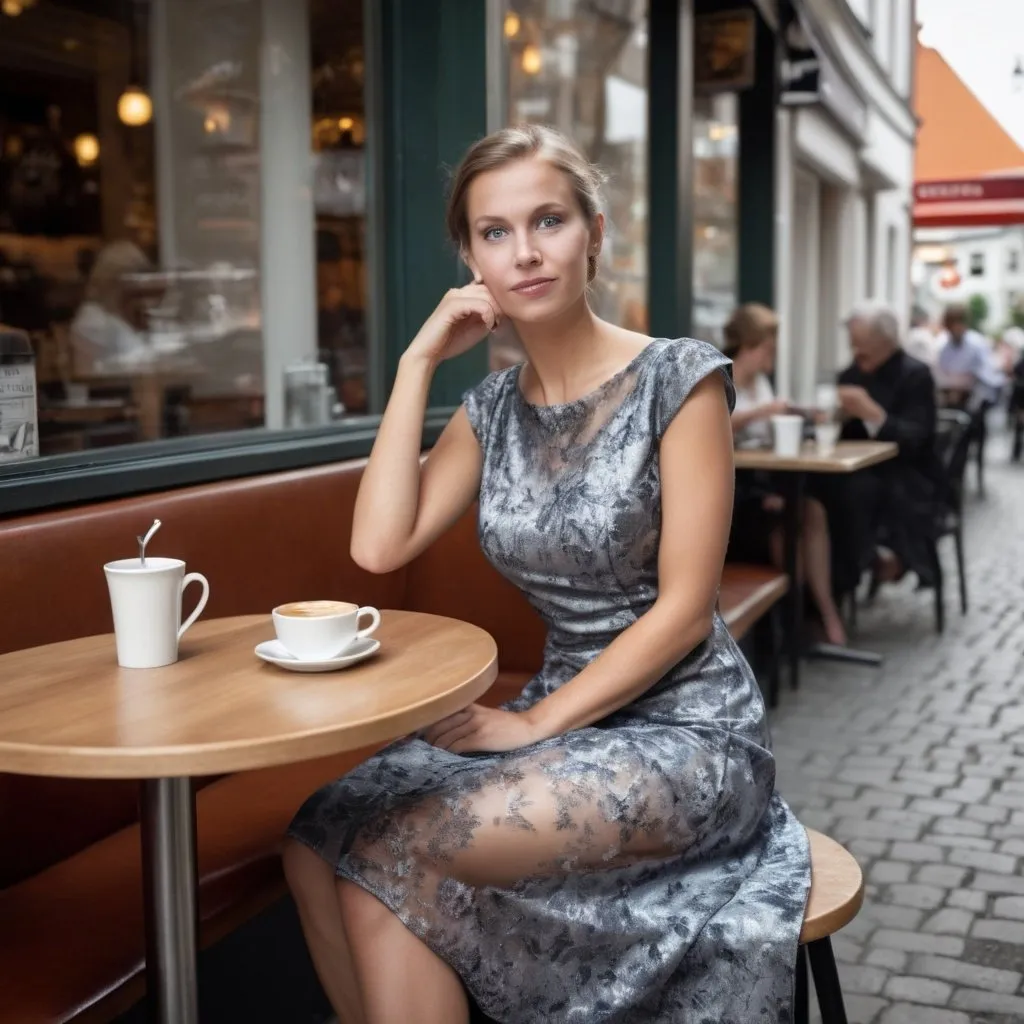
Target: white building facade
{"x": 845, "y": 179}
{"x": 956, "y": 265}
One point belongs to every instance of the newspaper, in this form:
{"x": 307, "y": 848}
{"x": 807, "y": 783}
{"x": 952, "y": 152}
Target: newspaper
{"x": 19, "y": 426}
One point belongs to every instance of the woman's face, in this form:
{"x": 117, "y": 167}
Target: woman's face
{"x": 529, "y": 240}
{"x": 766, "y": 354}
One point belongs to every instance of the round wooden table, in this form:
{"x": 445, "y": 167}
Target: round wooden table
{"x": 68, "y": 710}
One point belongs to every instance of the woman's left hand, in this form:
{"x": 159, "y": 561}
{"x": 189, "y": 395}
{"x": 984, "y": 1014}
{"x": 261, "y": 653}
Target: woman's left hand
{"x": 477, "y": 728}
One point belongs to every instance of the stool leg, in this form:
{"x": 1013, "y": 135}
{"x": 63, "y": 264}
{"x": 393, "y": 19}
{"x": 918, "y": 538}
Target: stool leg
{"x": 800, "y": 995}
{"x": 826, "y": 981}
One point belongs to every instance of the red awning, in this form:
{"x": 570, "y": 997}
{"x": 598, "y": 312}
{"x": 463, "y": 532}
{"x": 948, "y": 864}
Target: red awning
{"x": 993, "y": 200}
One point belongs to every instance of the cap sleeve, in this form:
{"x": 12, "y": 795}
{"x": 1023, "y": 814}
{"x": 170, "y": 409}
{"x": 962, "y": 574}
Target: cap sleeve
{"x": 682, "y": 365}
{"x": 480, "y": 403}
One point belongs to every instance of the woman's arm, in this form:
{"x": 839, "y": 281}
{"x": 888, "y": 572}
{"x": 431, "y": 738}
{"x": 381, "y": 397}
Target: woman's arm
{"x": 697, "y": 488}
{"x": 403, "y": 504}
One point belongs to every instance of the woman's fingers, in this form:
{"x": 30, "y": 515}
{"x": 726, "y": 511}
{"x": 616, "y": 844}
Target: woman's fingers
{"x": 431, "y": 733}
{"x": 452, "y": 738}
{"x": 472, "y": 306}
{"x": 482, "y": 291}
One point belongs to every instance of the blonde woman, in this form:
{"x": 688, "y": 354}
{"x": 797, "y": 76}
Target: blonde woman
{"x": 609, "y": 846}
{"x": 750, "y": 339}
{"x": 102, "y": 332}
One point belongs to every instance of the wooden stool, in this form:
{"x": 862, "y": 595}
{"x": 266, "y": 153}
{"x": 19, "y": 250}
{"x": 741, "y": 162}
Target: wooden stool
{"x": 837, "y": 892}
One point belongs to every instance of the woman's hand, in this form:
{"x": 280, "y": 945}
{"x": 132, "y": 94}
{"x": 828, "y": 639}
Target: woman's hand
{"x": 463, "y": 318}
{"x": 486, "y": 729}
{"x": 777, "y": 407}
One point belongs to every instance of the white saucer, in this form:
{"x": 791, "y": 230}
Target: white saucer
{"x": 274, "y": 652}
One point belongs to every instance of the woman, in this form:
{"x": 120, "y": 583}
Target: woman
{"x": 104, "y": 336}
{"x": 750, "y": 338}
{"x": 607, "y": 847}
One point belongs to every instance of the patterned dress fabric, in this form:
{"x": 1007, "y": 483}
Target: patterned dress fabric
{"x": 639, "y": 870}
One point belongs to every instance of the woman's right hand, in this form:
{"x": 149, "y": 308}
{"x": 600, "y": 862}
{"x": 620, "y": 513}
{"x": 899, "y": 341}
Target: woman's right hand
{"x": 777, "y": 407}
{"x": 462, "y": 319}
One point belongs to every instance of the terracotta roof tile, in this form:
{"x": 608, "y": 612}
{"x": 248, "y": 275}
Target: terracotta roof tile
{"x": 958, "y": 137}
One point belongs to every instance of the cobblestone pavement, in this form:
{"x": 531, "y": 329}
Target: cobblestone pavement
{"x": 918, "y": 768}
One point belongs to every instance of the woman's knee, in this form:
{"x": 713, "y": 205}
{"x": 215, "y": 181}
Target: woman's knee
{"x": 361, "y": 911}
{"x": 305, "y": 872}
{"x": 814, "y": 514}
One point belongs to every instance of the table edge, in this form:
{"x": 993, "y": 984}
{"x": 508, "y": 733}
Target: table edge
{"x": 19, "y": 758}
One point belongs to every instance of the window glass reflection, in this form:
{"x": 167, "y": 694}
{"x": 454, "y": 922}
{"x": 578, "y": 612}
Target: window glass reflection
{"x": 581, "y": 66}
{"x": 715, "y": 250}
{"x": 183, "y": 214}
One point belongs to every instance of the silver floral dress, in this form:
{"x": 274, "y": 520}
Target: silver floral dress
{"x": 641, "y": 869}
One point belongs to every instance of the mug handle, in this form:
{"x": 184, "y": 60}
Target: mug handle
{"x": 374, "y": 614}
{"x": 194, "y": 577}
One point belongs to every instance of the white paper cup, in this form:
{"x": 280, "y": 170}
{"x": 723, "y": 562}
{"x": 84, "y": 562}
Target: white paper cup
{"x": 826, "y": 436}
{"x": 789, "y": 434}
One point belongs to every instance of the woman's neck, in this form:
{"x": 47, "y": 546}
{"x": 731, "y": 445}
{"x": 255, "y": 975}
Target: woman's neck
{"x": 570, "y": 354}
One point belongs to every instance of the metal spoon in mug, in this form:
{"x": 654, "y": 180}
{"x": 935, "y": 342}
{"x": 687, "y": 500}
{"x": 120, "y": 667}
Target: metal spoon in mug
{"x": 143, "y": 541}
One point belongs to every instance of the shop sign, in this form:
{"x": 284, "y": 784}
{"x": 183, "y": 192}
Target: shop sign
{"x": 810, "y": 77}
{"x": 723, "y": 58}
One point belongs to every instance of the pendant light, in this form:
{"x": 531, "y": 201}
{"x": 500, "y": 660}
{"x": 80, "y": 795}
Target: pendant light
{"x": 134, "y": 107}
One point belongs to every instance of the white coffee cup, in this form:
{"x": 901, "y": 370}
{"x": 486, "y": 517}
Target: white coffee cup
{"x": 789, "y": 432}
{"x": 146, "y": 602}
{"x": 827, "y": 398}
{"x": 321, "y": 630}
{"x": 826, "y": 436}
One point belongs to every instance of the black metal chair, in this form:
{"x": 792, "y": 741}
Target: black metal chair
{"x": 954, "y": 434}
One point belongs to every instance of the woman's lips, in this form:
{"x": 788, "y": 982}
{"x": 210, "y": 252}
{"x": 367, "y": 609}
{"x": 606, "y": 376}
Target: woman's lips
{"x": 534, "y": 288}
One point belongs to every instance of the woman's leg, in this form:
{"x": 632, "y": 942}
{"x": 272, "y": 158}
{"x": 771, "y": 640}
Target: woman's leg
{"x": 817, "y": 560}
{"x": 314, "y": 886}
{"x": 401, "y": 978}
{"x": 540, "y": 816}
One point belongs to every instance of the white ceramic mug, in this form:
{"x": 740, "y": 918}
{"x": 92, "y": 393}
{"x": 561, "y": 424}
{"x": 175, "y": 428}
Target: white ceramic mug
{"x": 826, "y": 436}
{"x": 146, "y": 602}
{"x": 789, "y": 433}
{"x": 321, "y": 630}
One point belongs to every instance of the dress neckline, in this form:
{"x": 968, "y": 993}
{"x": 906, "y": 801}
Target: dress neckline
{"x": 590, "y": 396}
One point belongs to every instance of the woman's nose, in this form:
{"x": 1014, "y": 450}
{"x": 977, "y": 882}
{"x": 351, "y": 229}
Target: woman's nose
{"x": 526, "y": 254}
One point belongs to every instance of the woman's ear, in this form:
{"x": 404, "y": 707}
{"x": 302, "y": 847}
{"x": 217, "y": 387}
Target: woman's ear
{"x": 468, "y": 260}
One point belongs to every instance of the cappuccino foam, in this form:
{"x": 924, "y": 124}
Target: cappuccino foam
{"x": 316, "y": 609}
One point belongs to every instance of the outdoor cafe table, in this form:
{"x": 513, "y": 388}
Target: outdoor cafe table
{"x": 68, "y": 710}
{"x": 848, "y": 457}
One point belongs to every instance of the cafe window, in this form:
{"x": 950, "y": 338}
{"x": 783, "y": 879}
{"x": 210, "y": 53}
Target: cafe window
{"x": 977, "y": 264}
{"x": 715, "y": 217}
{"x": 183, "y": 226}
{"x": 581, "y": 66}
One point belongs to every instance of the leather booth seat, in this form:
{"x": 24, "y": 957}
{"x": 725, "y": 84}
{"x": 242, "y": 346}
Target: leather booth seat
{"x": 71, "y": 935}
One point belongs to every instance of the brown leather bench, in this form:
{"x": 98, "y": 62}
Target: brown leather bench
{"x": 71, "y": 933}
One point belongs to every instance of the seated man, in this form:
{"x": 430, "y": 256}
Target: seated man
{"x": 883, "y": 517}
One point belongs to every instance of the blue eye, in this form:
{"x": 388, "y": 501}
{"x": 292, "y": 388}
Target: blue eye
{"x": 549, "y": 220}
{"x": 491, "y": 235}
